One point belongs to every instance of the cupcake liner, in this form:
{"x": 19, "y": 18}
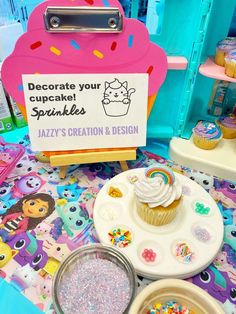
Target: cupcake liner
{"x": 205, "y": 143}
{"x": 158, "y": 216}
{"x": 228, "y": 133}
{"x": 230, "y": 68}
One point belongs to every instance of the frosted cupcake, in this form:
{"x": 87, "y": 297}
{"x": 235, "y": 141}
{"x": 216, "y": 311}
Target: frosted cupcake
{"x": 158, "y": 195}
{"x": 228, "y": 126}
{"x": 223, "y": 48}
{"x": 206, "y": 135}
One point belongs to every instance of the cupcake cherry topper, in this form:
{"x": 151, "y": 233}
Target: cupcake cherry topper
{"x": 163, "y": 171}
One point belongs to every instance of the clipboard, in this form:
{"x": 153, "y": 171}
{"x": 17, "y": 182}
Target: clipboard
{"x": 84, "y": 36}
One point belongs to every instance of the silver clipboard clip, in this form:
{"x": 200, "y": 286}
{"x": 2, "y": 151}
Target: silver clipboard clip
{"x": 83, "y": 19}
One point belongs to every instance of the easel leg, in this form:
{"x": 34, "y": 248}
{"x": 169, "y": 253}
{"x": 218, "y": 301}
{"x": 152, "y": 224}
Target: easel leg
{"x": 63, "y": 172}
{"x": 123, "y": 165}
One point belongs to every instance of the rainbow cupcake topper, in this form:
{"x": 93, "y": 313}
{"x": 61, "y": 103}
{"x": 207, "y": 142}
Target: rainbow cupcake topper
{"x": 163, "y": 171}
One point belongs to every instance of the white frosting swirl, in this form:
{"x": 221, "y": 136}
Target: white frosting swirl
{"x": 156, "y": 192}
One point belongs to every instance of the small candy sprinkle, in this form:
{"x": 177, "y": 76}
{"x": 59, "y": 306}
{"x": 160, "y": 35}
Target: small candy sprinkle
{"x": 74, "y": 44}
{"x": 149, "y": 255}
{"x": 94, "y": 286}
{"x": 55, "y": 50}
{"x": 98, "y": 54}
{"x": 183, "y": 252}
{"x": 120, "y": 237}
{"x": 130, "y": 41}
{"x": 115, "y": 192}
{"x": 170, "y": 307}
{"x": 201, "y": 209}
{"x": 201, "y": 234}
{"x": 36, "y": 45}
{"x": 150, "y": 69}
{"x": 113, "y": 45}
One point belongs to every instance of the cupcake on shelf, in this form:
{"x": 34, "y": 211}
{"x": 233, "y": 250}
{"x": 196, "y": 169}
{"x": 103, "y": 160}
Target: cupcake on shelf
{"x": 206, "y": 135}
{"x": 228, "y": 125}
{"x": 158, "y": 195}
{"x": 230, "y": 64}
{"x": 223, "y": 48}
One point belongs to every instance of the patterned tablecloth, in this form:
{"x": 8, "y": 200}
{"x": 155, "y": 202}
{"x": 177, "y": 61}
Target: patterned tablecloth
{"x": 37, "y": 246}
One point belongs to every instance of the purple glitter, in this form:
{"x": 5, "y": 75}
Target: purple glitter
{"x": 95, "y": 286}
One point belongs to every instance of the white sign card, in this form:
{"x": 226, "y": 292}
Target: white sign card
{"x": 83, "y": 111}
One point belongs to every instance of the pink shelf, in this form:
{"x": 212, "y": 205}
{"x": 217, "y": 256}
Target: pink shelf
{"x": 210, "y": 69}
{"x": 177, "y": 63}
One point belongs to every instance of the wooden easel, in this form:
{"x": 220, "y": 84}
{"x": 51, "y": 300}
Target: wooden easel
{"x": 63, "y": 161}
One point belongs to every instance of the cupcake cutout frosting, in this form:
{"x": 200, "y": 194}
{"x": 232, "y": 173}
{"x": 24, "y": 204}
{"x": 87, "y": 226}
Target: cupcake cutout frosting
{"x": 158, "y": 187}
{"x": 39, "y": 52}
{"x": 228, "y": 121}
{"x": 207, "y": 129}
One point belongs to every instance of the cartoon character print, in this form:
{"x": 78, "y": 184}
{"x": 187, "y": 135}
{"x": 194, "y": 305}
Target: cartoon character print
{"x": 73, "y": 215}
{"x": 5, "y": 158}
{"x": 28, "y": 184}
{"x": 70, "y": 192}
{"x": 5, "y": 205}
{"x": 30, "y": 250}
{"x": 230, "y": 236}
{"x": 217, "y": 284}
{"x": 56, "y": 250}
{"x": 100, "y": 170}
{"x": 116, "y": 95}
{"x": 5, "y": 191}
{"x": 222, "y": 264}
{"x": 227, "y": 214}
{"x": 54, "y": 176}
{"x": 25, "y": 141}
{"x": 203, "y": 179}
{"x": 26, "y": 214}
{"x": 225, "y": 192}
{"x": 23, "y": 278}
{"x": 45, "y": 288}
{"x": 22, "y": 168}
{"x": 43, "y": 230}
{"x": 6, "y": 254}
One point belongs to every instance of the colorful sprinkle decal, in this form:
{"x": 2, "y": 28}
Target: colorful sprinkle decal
{"x": 201, "y": 209}
{"x": 170, "y": 307}
{"x": 55, "y": 50}
{"x": 165, "y": 172}
{"x": 201, "y": 234}
{"x": 183, "y": 252}
{"x": 130, "y": 41}
{"x": 74, "y": 44}
{"x": 98, "y": 54}
{"x": 149, "y": 255}
{"x": 150, "y": 69}
{"x": 106, "y": 3}
{"x": 113, "y": 45}
{"x": 20, "y": 88}
{"x": 120, "y": 237}
{"x": 36, "y": 45}
{"x": 89, "y": 2}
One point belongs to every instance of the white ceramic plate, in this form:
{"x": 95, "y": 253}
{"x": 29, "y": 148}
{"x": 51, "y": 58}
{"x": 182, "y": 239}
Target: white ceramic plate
{"x": 197, "y": 236}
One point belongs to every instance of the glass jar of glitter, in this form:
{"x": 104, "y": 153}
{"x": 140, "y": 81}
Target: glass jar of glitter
{"x": 94, "y": 279}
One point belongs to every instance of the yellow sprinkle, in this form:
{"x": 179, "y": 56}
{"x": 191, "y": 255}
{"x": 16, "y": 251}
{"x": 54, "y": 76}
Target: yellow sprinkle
{"x": 55, "y": 51}
{"x": 98, "y": 54}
